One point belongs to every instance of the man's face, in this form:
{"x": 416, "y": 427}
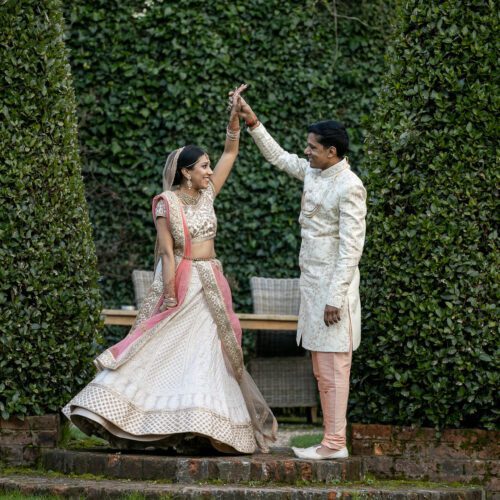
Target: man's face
{"x": 318, "y": 155}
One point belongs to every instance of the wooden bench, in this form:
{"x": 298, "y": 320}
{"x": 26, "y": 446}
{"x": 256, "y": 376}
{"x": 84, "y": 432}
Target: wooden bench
{"x": 123, "y": 317}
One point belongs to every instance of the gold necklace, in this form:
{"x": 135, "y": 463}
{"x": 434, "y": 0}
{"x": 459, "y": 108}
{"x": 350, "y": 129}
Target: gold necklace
{"x": 188, "y": 199}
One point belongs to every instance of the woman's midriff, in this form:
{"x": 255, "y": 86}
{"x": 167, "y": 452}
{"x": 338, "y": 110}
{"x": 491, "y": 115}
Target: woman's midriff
{"x": 203, "y": 249}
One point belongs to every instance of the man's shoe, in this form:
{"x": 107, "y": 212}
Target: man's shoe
{"x": 311, "y": 453}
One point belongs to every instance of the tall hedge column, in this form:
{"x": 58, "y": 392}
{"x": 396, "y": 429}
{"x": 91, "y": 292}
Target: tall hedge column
{"x": 49, "y": 300}
{"x": 430, "y": 269}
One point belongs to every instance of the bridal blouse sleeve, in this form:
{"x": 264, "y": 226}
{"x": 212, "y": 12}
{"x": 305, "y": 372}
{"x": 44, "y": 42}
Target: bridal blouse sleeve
{"x": 351, "y": 240}
{"x": 276, "y": 155}
{"x": 161, "y": 210}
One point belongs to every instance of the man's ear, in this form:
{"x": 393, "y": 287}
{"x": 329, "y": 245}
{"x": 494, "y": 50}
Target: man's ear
{"x": 332, "y": 151}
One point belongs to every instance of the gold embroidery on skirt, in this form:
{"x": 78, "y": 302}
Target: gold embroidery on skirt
{"x": 218, "y": 309}
{"x": 150, "y": 302}
{"x": 113, "y": 407}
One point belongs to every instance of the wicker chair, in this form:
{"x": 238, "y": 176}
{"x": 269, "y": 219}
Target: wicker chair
{"x": 142, "y": 281}
{"x": 282, "y": 370}
{"x": 276, "y": 296}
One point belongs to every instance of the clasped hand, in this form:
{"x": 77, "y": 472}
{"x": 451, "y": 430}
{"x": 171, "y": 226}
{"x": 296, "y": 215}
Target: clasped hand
{"x": 331, "y": 315}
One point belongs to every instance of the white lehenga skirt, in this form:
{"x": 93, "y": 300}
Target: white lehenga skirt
{"x": 178, "y": 385}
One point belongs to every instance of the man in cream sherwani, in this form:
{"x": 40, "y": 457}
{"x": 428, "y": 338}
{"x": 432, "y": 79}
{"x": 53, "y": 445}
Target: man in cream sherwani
{"x": 332, "y": 222}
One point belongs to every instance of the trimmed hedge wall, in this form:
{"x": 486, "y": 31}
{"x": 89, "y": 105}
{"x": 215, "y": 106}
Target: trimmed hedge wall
{"x": 152, "y": 76}
{"x": 49, "y": 299}
{"x": 430, "y": 269}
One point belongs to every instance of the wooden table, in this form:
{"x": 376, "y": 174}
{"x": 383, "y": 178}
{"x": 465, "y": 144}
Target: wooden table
{"x": 248, "y": 321}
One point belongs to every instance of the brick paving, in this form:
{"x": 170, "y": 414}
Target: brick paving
{"x": 104, "y": 489}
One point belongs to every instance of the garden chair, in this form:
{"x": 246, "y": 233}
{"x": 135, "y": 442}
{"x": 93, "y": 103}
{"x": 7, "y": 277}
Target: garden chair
{"x": 282, "y": 370}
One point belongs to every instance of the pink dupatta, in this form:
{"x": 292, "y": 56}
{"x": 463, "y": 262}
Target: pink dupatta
{"x": 176, "y": 220}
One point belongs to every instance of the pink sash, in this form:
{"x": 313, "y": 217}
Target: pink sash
{"x": 216, "y": 290}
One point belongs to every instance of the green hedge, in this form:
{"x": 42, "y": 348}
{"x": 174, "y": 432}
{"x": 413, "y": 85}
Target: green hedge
{"x": 49, "y": 300}
{"x": 430, "y": 269}
{"x": 149, "y": 79}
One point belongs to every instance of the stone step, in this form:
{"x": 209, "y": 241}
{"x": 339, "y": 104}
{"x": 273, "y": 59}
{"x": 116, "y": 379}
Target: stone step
{"x": 278, "y": 467}
{"x": 462, "y": 470}
{"x": 104, "y": 489}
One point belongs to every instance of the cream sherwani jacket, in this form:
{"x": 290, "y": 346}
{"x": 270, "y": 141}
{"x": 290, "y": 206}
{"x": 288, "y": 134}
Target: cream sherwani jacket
{"x": 332, "y": 222}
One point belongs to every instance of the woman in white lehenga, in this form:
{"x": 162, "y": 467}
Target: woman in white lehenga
{"x": 178, "y": 379}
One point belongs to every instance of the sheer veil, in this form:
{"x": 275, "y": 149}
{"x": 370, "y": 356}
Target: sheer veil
{"x": 170, "y": 169}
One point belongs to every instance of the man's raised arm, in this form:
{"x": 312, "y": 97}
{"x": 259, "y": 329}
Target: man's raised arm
{"x": 270, "y": 149}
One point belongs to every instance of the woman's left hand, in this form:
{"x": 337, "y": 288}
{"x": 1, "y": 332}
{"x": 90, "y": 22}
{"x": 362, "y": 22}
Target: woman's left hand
{"x": 168, "y": 303}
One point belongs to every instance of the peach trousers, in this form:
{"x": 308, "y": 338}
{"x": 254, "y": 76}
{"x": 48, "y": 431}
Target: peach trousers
{"x": 332, "y": 371}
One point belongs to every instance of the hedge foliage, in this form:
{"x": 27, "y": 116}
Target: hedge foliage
{"x": 49, "y": 297}
{"x": 430, "y": 269}
{"x": 150, "y": 76}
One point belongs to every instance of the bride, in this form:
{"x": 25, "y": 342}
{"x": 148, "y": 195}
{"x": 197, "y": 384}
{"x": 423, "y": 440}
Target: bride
{"x": 178, "y": 379}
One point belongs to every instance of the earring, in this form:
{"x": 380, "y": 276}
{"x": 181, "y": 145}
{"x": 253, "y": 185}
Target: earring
{"x": 189, "y": 183}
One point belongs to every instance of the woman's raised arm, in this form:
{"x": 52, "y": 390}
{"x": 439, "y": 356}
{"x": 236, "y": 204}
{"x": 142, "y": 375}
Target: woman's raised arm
{"x": 232, "y": 145}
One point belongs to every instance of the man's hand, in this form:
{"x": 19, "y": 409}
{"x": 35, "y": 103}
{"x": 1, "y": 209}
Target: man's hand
{"x": 332, "y": 315}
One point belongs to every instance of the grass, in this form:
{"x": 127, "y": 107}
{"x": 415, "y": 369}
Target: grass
{"x": 26, "y": 471}
{"x": 306, "y": 440}
{"x": 20, "y": 496}
{"x": 73, "y": 438}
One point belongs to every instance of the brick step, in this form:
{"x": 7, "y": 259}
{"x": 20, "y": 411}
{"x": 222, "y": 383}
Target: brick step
{"x": 104, "y": 489}
{"x": 279, "y": 467}
{"x": 468, "y": 471}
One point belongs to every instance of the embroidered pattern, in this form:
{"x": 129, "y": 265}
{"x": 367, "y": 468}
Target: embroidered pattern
{"x": 200, "y": 218}
{"x": 117, "y": 410}
{"x": 176, "y": 228}
{"x": 161, "y": 210}
{"x": 218, "y": 309}
{"x": 151, "y": 303}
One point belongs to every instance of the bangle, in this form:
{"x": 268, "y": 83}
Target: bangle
{"x": 170, "y": 301}
{"x": 252, "y": 123}
{"x": 232, "y": 135}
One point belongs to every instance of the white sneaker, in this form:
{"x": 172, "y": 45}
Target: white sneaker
{"x": 311, "y": 453}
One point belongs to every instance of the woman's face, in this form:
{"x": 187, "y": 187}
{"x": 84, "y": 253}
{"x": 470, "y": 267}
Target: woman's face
{"x": 200, "y": 173}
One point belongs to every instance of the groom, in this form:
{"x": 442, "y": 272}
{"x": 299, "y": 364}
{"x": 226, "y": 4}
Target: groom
{"x": 332, "y": 222}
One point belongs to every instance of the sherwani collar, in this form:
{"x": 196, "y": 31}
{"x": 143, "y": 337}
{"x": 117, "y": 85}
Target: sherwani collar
{"x": 335, "y": 169}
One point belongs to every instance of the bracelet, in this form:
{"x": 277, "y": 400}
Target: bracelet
{"x": 252, "y": 123}
{"x": 170, "y": 301}
{"x": 232, "y": 135}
